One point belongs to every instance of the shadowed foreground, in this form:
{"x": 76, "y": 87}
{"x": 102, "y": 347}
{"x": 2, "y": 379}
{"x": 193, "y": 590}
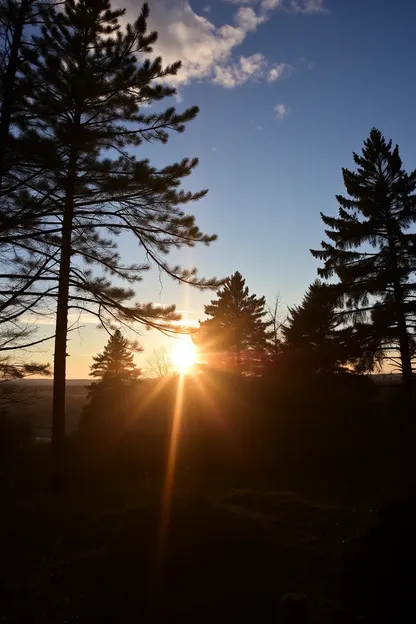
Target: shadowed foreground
{"x": 263, "y": 554}
{"x": 276, "y": 512}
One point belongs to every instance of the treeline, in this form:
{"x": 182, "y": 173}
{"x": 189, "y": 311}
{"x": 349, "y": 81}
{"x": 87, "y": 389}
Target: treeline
{"x": 363, "y": 316}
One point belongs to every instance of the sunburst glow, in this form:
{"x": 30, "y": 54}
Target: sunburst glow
{"x": 183, "y": 355}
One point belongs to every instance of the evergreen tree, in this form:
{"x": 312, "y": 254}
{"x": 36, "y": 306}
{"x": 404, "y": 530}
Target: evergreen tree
{"x": 372, "y": 251}
{"x": 88, "y": 87}
{"x": 115, "y": 366}
{"x": 15, "y": 17}
{"x": 237, "y": 329}
{"x": 17, "y": 288}
{"x": 314, "y": 340}
{"x": 18, "y": 18}
{"x": 117, "y": 377}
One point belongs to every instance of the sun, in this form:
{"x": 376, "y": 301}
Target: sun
{"x": 183, "y": 355}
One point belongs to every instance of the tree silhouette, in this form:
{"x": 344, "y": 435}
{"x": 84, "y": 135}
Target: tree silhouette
{"x": 372, "y": 251}
{"x": 275, "y": 338}
{"x": 237, "y": 330}
{"x": 314, "y": 340}
{"x": 18, "y": 294}
{"x": 115, "y": 365}
{"x": 13, "y": 367}
{"x": 160, "y": 363}
{"x": 16, "y": 18}
{"x": 117, "y": 377}
{"x": 88, "y": 86}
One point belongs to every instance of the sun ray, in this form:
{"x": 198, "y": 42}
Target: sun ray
{"x": 170, "y": 474}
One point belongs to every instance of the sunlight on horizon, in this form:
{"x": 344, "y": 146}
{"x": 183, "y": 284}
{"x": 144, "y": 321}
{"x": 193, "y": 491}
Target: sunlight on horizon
{"x": 184, "y": 355}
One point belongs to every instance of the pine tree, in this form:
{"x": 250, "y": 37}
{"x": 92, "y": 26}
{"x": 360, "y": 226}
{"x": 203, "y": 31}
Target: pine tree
{"x": 314, "y": 340}
{"x": 88, "y": 87}
{"x": 17, "y": 288}
{"x": 15, "y": 17}
{"x": 373, "y": 252}
{"x": 115, "y": 366}
{"x": 117, "y": 377}
{"x": 18, "y": 18}
{"x": 237, "y": 328}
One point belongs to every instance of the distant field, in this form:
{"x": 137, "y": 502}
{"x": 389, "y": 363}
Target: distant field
{"x": 39, "y": 407}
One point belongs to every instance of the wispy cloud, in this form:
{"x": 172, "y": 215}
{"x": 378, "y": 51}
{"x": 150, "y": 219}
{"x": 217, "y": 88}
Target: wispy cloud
{"x": 269, "y": 5}
{"x": 281, "y": 110}
{"x": 276, "y": 71}
{"x": 209, "y": 52}
{"x": 236, "y": 74}
{"x": 298, "y": 6}
{"x": 308, "y": 6}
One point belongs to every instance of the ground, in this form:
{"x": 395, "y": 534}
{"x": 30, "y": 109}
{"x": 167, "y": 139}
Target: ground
{"x": 274, "y": 512}
{"x": 243, "y": 552}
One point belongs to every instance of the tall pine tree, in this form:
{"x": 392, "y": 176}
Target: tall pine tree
{"x": 89, "y": 83}
{"x": 237, "y": 330}
{"x": 372, "y": 251}
{"x": 315, "y": 342}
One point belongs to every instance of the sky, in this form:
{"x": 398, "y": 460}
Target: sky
{"x": 287, "y": 90}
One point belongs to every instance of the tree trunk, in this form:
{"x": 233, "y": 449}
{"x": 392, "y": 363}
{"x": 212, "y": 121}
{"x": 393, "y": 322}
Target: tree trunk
{"x": 9, "y": 84}
{"x": 404, "y": 343}
{"x": 404, "y": 346}
{"x": 59, "y": 370}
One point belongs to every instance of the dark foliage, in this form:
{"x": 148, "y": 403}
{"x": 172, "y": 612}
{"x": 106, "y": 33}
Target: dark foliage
{"x": 315, "y": 340}
{"x": 372, "y": 251}
{"x": 236, "y": 334}
{"x": 110, "y": 398}
{"x": 15, "y": 434}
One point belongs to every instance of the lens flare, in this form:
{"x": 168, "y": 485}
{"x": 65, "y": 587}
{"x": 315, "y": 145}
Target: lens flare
{"x": 183, "y": 355}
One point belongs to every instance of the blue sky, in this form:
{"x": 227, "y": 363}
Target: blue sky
{"x": 288, "y": 89}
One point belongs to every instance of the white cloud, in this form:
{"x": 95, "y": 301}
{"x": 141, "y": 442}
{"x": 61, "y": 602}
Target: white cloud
{"x": 209, "y": 52}
{"x": 207, "y": 8}
{"x": 192, "y": 38}
{"x": 298, "y": 6}
{"x": 247, "y": 19}
{"x": 236, "y": 74}
{"x": 268, "y": 5}
{"x": 281, "y": 110}
{"x": 276, "y": 71}
{"x": 308, "y": 6}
